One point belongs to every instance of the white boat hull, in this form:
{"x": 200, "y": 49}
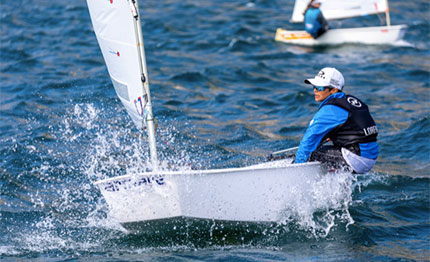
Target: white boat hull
{"x": 363, "y": 35}
{"x": 257, "y": 193}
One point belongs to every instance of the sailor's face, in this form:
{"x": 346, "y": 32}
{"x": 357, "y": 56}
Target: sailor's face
{"x": 321, "y": 95}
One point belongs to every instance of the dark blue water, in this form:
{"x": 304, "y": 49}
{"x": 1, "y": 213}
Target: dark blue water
{"x": 225, "y": 94}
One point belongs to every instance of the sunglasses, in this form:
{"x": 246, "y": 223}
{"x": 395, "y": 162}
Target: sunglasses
{"x": 321, "y": 88}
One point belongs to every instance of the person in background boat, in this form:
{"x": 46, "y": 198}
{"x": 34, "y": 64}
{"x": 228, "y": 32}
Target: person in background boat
{"x": 315, "y": 23}
{"x": 342, "y": 119}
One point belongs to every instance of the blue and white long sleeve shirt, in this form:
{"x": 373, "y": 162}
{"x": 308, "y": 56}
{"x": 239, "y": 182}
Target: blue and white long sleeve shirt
{"x": 325, "y": 120}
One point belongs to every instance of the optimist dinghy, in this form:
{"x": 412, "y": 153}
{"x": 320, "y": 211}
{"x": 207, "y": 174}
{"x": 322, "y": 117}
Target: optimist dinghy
{"x": 258, "y": 193}
{"x": 339, "y": 9}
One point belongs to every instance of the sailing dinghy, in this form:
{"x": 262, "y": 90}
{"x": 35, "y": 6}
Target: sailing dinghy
{"x": 258, "y": 193}
{"x": 340, "y": 9}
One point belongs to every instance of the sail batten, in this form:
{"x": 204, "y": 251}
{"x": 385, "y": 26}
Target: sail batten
{"x": 340, "y": 9}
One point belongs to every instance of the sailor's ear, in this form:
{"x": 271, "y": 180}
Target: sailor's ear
{"x": 334, "y": 90}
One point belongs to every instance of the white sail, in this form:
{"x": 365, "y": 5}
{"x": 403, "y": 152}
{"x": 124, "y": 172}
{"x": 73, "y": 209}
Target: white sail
{"x": 118, "y": 31}
{"x": 338, "y": 9}
{"x": 113, "y": 24}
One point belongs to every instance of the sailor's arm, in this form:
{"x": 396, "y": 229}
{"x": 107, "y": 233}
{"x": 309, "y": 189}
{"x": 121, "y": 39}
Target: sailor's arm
{"x": 325, "y": 120}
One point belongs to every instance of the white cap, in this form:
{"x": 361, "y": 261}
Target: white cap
{"x": 316, "y": 2}
{"x": 328, "y": 76}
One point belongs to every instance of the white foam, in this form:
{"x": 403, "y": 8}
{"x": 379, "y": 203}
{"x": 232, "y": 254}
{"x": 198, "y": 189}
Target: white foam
{"x": 329, "y": 202}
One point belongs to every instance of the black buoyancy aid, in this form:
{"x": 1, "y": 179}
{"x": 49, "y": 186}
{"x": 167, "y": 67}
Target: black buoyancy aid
{"x": 358, "y": 128}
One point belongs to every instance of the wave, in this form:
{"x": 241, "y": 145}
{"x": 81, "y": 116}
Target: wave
{"x": 415, "y": 157}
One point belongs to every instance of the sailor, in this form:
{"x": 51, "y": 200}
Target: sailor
{"x": 342, "y": 119}
{"x": 315, "y": 23}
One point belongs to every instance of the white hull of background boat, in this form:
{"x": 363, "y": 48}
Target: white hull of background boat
{"x": 362, "y": 35}
{"x": 259, "y": 193}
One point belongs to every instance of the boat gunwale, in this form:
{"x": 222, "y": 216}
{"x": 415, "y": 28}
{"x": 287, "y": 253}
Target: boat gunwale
{"x": 257, "y": 167}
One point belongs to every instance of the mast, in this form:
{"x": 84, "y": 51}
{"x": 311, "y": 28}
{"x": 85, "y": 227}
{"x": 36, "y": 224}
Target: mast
{"x": 148, "y": 116}
{"x": 387, "y": 14}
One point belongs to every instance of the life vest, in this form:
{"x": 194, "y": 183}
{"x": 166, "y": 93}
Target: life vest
{"x": 312, "y": 25}
{"x": 359, "y": 126}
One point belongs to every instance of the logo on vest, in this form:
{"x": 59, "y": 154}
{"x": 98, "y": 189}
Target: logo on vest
{"x": 371, "y": 130}
{"x": 353, "y": 101}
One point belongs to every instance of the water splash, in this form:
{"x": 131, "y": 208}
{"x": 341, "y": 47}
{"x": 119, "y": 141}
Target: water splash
{"x": 326, "y": 206}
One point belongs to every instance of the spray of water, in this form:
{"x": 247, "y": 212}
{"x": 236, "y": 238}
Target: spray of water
{"x": 328, "y": 203}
